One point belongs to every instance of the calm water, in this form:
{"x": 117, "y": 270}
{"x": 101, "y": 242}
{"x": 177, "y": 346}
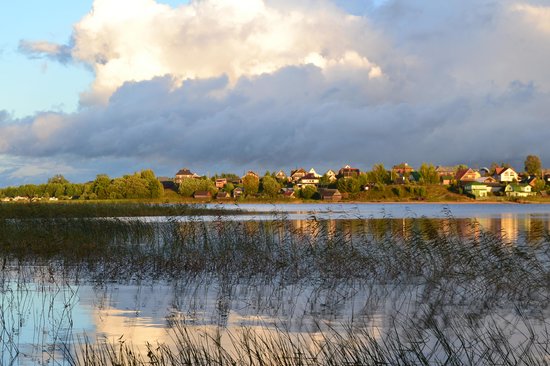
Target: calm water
{"x": 40, "y": 318}
{"x": 398, "y": 210}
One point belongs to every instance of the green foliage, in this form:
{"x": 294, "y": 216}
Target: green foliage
{"x": 229, "y": 187}
{"x": 533, "y": 165}
{"x": 379, "y": 175}
{"x": 350, "y": 185}
{"x": 101, "y": 186}
{"x": 397, "y": 191}
{"x": 58, "y": 178}
{"x": 308, "y": 192}
{"x": 139, "y": 185}
{"x": 539, "y": 185}
{"x": 324, "y": 181}
{"x": 251, "y": 185}
{"x": 428, "y": 174}
{"x": 191, "y": 185}
{"x": 269, "y": 186}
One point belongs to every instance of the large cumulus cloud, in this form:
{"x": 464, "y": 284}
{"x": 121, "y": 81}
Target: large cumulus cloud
{"x": 226, "y": 84}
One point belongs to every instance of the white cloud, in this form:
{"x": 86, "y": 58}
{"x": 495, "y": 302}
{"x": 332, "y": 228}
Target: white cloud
{"x": 537, "y": 15}
{"x": 129, "y": 40}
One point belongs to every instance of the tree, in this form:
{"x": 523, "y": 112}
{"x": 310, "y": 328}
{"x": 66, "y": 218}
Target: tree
{"x": 229, "y": 187}
{"x": 350, "y": 185}
{"x": 533, "y": 165}
{"x": 270, "y": 186}
{"x": 379, "y": 174}
{"x": 191, "y": 185}
{"x": 428, "y": 174}
{"x": 251, "y": 184}
{"x": 101, "y": 186}
{"x": 156, "y": 190}
{"x": 307, "y": 192}
{"x": 58, "y": 178}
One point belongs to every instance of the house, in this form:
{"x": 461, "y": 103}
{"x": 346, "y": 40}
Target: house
{"x": 506, "y": 175}
{"x": 331, "y": 175}
{"x": 466, "y": 175}
{"x": 297, "y": 174}
{"x": 251, "y": 173}
{"x": 238, "y": 192}
{"x": 485, "y": 180}
{"x": 445, "y": 173}
{"x": 312, "y": 171}
{"x": 289, "y": 194}
{"x": 167, "y": 183}
{"x": 308, "y": 180}
{"x": 531, "y": 180}
{"x": 476, "y": 190}
{"x": 492, "y": 185}
{"x": 348, "y": 172}
{"x": 221, "y": 183}
{"x": 518, "y": 190}
{"x": 202, "y": 195}
{"x": 221, "y": 195}
{"x": 184, "y": 174}
{"x": 281, "y": 176}
{"x": 402, "y": 169}
{"x": 330, "y": 195}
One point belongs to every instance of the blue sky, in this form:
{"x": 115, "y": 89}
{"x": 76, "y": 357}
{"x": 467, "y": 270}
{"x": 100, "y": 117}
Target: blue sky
{"x": 31, "y": 85}
{"x": 317, "y": 83}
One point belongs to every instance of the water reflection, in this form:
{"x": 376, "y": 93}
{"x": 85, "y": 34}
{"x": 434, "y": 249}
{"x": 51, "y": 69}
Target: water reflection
{"x": 44, "y": 317}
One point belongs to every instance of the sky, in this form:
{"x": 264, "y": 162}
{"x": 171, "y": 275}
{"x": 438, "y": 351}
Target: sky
{"x": 115, "y": 86}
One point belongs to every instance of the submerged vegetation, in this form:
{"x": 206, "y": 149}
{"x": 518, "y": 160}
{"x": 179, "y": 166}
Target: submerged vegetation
{"x": 432, "y": 291}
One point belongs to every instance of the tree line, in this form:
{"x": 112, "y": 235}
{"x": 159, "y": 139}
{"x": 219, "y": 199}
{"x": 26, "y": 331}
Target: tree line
{"x": 143, "y": 184}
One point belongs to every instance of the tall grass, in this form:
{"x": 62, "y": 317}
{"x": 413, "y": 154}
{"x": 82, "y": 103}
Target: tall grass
{"x": 39, "y": 210}
{"x": 436, "y": 291}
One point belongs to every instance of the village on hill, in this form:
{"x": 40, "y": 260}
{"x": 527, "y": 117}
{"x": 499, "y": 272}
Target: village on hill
{"x": 400, "y": 183}
{"x": 351, "y": 182}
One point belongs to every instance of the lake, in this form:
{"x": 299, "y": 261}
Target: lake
{"x": 474, "y": 275}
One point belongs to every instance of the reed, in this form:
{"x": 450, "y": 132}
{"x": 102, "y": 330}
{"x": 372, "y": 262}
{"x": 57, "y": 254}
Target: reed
{"x": 449, "y": 291}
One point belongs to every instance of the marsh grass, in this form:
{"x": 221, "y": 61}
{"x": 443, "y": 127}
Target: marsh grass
{"x": 448, "y": 292}
{"x": 41, "y": 210}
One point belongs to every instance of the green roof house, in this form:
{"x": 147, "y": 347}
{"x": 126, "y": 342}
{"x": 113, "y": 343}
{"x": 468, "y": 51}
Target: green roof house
{"x": 476, "y": 190}
{"x": 518, "y": 190}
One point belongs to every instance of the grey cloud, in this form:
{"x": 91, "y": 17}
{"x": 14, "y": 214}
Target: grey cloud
{"x": 44, "y": 49}
{"x": 284, "y": 119}
{"x": 470, "y": 86}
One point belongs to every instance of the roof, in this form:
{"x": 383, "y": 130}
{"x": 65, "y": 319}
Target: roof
{"x": 485, "y": 180}
{"x": 310, "y": 176}
{"x": 501, "y": 170}
{"x": 460, "y": 173}
{"x": 329, "y": 192}
{"x": 301, "y": 171}
{"x": 474, "y": 183}
{"x": 518, "y": 187}
{"x": 184, "y": 171}
{"x": 441, "y": 168}
{"x": 202, "y": 193}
